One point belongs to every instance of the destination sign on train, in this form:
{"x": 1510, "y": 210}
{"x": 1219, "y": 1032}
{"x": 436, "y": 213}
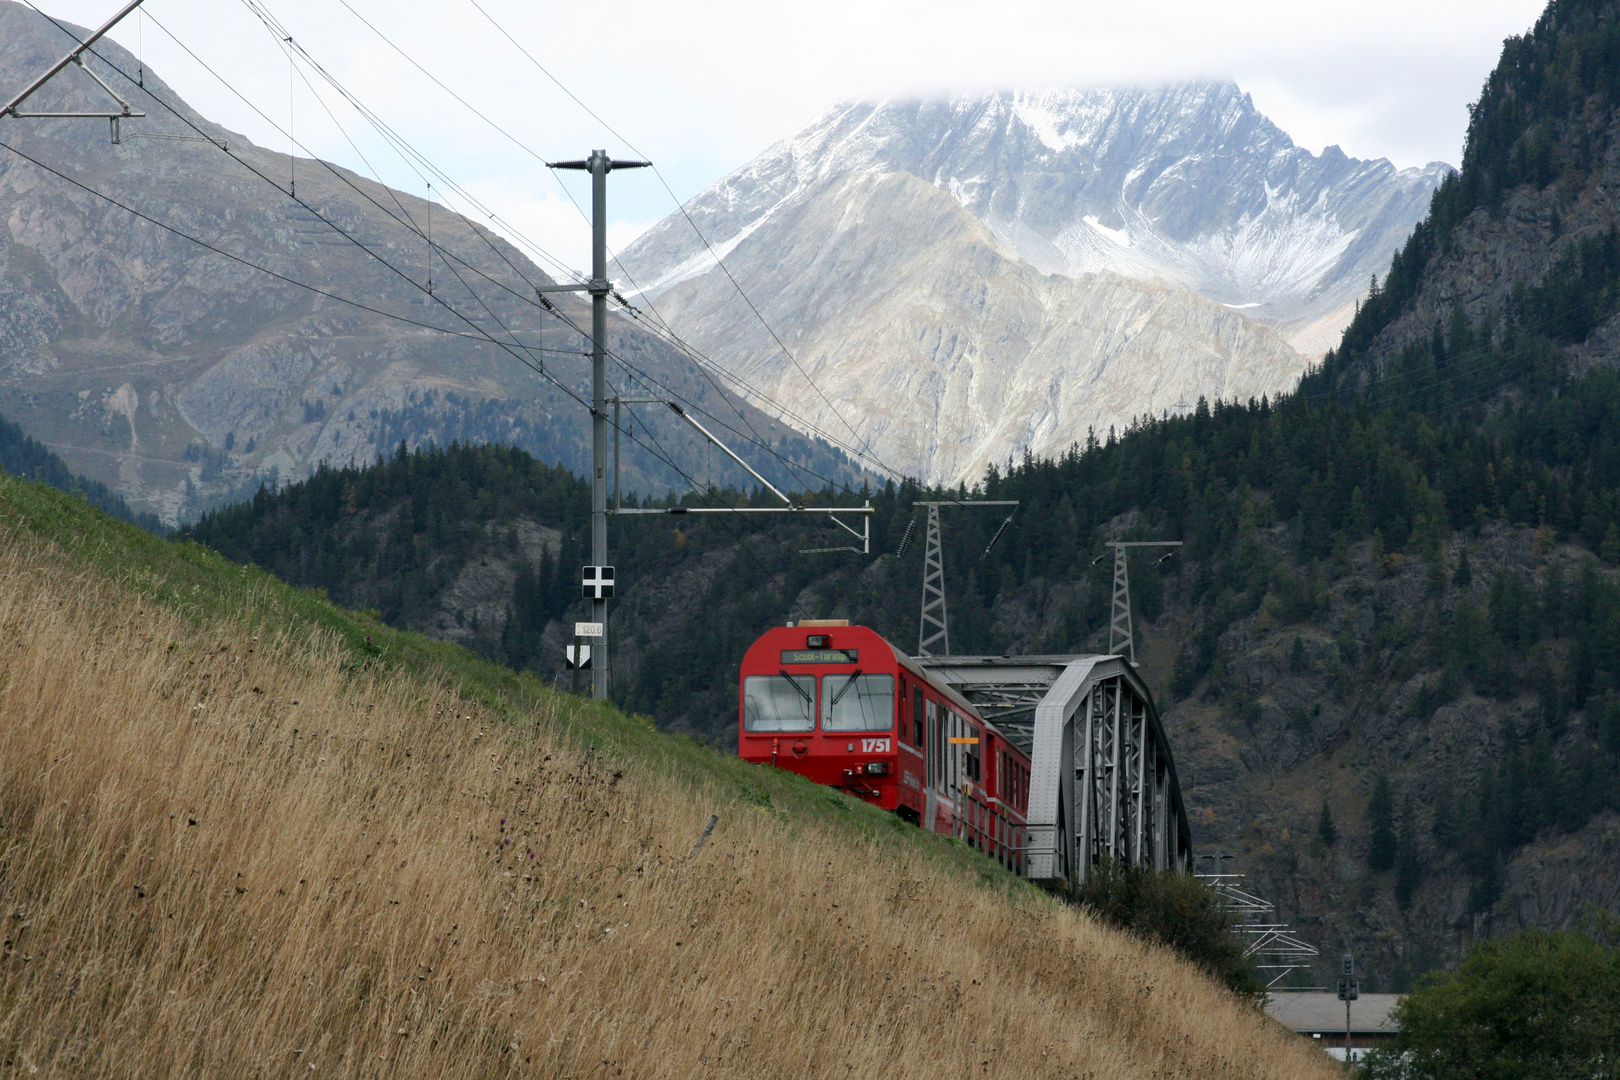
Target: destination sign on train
{"x": 819, "y": 656}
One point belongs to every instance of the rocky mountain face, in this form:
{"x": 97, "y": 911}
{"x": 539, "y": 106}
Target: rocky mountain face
{"x": 291, "y": 324}
{"x": 1502, "y": 305}
{"x": 851, "y": 237}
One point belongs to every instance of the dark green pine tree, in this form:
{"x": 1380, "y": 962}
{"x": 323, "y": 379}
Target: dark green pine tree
{"x": 1381, "y": 822}
{"x": 1608, "y": 727}
{"x": 1464, "y": 576}
{"x": 1552, "y": 599}
{"x": 1326, "y": 831}
{"x": 1609, "y": 550}
{"x": 1445, "y": 829}
{"x": 1408, "y": 862}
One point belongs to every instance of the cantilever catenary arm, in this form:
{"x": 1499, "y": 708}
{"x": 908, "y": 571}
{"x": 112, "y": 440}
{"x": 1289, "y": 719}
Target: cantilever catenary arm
{"x": 707, "y": 434}
{"x": 73, "y": 57}
{"x": 790, "y": 507}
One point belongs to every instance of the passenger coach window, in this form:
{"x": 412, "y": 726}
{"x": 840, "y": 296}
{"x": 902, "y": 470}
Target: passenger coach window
{"x": 779, "y": 703}
{"x": 857, "y": 702}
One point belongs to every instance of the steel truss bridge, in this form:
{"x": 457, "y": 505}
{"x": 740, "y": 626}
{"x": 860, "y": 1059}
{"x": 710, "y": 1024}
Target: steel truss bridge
{"x": 1103, "y": 782}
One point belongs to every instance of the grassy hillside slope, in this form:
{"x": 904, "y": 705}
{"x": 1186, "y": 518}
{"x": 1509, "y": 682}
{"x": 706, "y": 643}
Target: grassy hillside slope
{"x": 238, "y": 838}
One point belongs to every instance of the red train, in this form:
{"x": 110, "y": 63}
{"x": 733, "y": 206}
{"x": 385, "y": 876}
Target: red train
{"x": 840, "y": 705}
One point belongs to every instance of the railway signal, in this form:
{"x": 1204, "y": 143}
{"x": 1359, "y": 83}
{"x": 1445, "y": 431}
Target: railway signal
{"x": 579, "y": 659}
{"x": 598, "y": 165}
{"x": 1349, "y": 990}
{"x": 579, "y": 653}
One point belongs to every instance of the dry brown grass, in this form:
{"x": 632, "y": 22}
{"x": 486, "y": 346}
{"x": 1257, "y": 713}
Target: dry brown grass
{"x": 228, "y": 857}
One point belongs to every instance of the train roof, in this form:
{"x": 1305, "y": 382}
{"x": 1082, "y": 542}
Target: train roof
{"x": 950, "y": 693}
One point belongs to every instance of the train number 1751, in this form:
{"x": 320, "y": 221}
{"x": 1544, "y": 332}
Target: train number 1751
{"x": 874, "y": 746}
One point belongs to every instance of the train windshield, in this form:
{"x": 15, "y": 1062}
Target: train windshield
{"x": 779, "y": 703}
{"x": 857, "y": 702}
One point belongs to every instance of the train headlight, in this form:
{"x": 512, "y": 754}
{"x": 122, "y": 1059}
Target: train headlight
{"x": 877, "y": 768}
{"x": 817, "y": 641}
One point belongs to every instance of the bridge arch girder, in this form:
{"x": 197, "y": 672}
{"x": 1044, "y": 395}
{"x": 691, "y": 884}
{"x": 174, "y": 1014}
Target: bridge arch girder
{"x": 1103, "y": 780}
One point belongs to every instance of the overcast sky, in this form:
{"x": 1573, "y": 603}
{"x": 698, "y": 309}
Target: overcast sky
{"x": 702, "y": 87}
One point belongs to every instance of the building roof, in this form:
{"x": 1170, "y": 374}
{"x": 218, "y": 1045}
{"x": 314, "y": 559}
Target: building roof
{"x": 1314, "y": 1011}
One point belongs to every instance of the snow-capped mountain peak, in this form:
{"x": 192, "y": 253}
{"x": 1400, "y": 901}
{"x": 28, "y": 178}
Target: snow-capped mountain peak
{"x": 971, "y": 278}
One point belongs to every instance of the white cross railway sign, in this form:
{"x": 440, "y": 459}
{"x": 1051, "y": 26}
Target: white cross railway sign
{"x": 596, "y": 582}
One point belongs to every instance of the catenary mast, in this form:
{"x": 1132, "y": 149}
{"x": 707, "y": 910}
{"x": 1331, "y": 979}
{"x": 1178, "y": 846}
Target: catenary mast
{"x": 598, "y": 165}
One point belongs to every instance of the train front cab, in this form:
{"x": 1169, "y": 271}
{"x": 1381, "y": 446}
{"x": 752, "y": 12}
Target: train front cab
{"x": 818, "y": 700}
{"x": 841, "y": 706}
